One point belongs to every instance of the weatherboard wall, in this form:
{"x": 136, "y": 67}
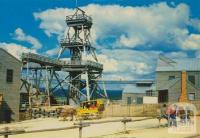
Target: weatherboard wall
{"x": 9, "y": 110}
{"x": 174, "y": 88}
{"x": 162, "y": 78}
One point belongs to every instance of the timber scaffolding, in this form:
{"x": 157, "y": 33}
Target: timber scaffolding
{"x": 78, "y": 44}
{"x": 59, "y": 64}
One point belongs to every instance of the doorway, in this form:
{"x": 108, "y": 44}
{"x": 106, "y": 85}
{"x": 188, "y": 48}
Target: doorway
{"x": 163, "y": 96}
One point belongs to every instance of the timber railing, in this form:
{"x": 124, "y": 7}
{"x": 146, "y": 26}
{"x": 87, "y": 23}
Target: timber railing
{"x": 80, "y": 125}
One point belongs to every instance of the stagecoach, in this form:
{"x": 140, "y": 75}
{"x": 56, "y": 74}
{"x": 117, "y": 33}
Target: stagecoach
{"x": 91, "y": 109}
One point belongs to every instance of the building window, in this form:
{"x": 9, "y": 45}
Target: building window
{"x": 9, "y": 75}
{"x": 191, "y": 96}
{"x": 139, "y": 100}
{"x": 129, "y": 100}
{"x": 171, "y": 77}
{"x": 191, "y": 78}
{"x": 143, "y": 84}
{"x": 149, "y": 93}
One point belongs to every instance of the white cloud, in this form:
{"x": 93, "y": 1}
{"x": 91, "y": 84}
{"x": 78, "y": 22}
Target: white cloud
{"x": 52, "y": 52}
{"x": 128, "y": 26}
{"x": 128, "y": 64}
{"x": 129, "y": 42}
{"x": 192, "y": 42}
{"x": 110, "y": 65}
{"x": 15, "y": 49}
{"x": 21, "y": 36}
{"x": 53, "y": 20}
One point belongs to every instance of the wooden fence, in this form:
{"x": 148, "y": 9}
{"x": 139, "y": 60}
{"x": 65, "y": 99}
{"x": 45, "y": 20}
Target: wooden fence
{"x": 80, "y": 125}
{"x": 119, "y": 110}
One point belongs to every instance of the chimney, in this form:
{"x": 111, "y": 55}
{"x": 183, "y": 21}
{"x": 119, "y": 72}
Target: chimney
{"x": 183, "y": 95}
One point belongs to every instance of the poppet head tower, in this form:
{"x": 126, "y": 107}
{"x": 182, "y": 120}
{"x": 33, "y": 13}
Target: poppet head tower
{"x": 83, "y": 67}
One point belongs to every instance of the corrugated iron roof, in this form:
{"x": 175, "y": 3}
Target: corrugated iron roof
{"x": 187, "y": 64}
{"x": 4, "y": 50}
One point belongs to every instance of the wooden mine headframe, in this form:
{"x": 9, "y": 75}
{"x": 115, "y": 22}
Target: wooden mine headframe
{"x": 78, "y": 43}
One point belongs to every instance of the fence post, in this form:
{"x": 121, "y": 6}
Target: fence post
{"x": 124, "y": 126}
{"x": 80, "y": 127}
{"x": 124, "y": 121}
{"x": 159, "y": 120}
{"x": 80, "y": 131}
{"x": 6, "y": 132}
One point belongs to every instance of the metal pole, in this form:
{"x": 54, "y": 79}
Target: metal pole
{"x": 30, "y": 91}
{"x": 29, "y": 88}
{"x": 104, "y": 89}
{"x": 87, "y": 86}
{"x": 47, "y": 87}
{"x": 59, "y": 53}
{"x": 27, "y": 71}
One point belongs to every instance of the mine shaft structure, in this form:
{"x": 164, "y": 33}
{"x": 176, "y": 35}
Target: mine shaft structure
{"x": 83, "y": 73}
{"x": 79, "y": 76}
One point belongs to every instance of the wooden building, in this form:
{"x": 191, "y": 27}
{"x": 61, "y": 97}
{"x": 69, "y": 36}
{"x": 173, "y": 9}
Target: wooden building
{"x": 134, "y": 93}
{"x": 10, "y": 69}
{"x": 170, "y": 81}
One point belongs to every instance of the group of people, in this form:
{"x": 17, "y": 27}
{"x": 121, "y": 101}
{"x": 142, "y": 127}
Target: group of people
{"x": 171, "y": 112}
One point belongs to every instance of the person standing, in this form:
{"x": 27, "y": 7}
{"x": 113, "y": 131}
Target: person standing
{"x": 171, "y": 112}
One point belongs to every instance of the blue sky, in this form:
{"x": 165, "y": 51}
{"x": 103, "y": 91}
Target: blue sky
{"x": 128, "y": 34}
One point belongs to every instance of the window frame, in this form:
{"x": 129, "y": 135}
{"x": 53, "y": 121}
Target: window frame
{"x": 171, "y": 77}
{"x": 9, "y": 75}
{"x": 193, "y": 95}
{"x": 189, "y": 79}
{"x": 149, "y": 93}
